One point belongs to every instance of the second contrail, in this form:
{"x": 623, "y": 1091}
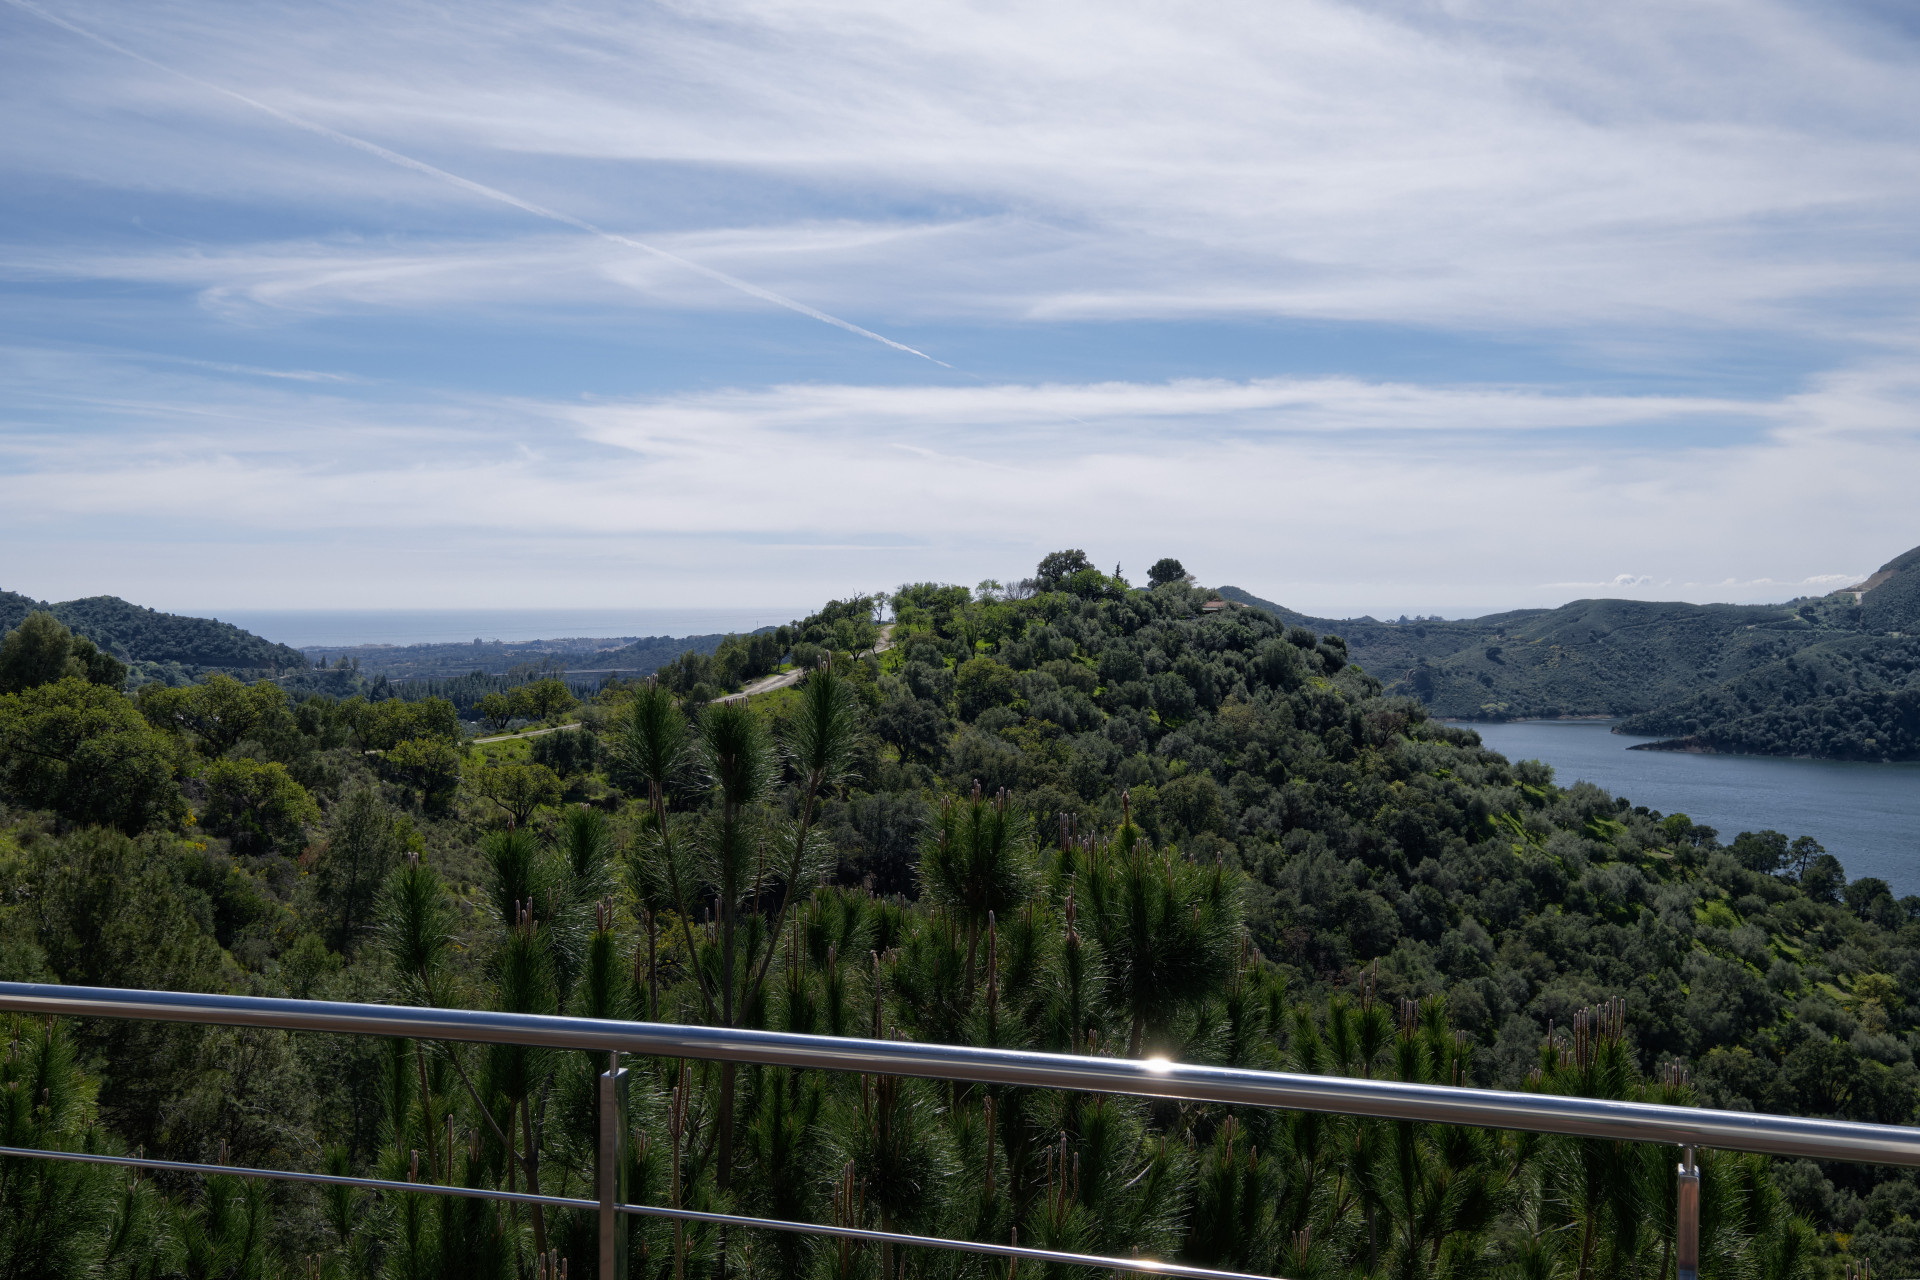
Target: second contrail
{"x": 478, "y": 188}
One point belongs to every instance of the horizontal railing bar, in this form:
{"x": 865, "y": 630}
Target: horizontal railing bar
{"x": 1384, "y": 1099}
{"x": 1141, "y": 1266}
{"x": 1144, "y": 1266}
{"x": 288, "y": 1175}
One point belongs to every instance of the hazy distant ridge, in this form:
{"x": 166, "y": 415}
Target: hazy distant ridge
{"x": 1835, "y": 676}
{"x": 149, "y": 639}
{"x": 626, "y": 655}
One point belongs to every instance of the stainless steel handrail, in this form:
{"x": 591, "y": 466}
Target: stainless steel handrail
{"x": 1144, "y": 1266}
{"x": 1685, "y": 1127}
{"x": 1438, "y": 1104}
{"x": 294, "y": 1175}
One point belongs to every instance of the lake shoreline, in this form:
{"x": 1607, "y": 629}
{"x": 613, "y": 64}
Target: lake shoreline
{"x": 1866, "y": 812}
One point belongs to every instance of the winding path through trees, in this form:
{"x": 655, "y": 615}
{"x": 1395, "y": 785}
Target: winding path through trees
{"x": 765, "y": 684}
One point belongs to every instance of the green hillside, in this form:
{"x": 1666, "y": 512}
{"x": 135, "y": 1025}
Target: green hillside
{"x": 1892, "y": 601}
{"x": 1832, "y": 677}
{"x": 625, "y": 656}
{"x": 159, "y": 645}
{"x": 650, "y": 653}
{"x": 1087, "y": 819}
{"x": 1852, "y": 697}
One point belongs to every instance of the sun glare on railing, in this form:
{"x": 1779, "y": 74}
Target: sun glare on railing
{"x": 1158, "y": 1064}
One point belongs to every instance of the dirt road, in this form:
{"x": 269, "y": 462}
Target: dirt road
{"x": 765, "y": 684}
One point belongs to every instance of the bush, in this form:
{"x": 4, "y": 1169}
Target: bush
{"x": 543, "y": 699}
{"x": 428, "y": 766}
{"x": 81, "y": 750}
{"x": 1192, "y": 802}
{"x": 383, "y": 725}
{"x": 1172, "y": 696}
{"x": 568, "y": 752}
{"x": 517, "y": 788}
{"x": 1057, "y": 567}
{"x": 40, "y": 650}
{"x": 259, "y": 807}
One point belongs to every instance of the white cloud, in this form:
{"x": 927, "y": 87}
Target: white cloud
{"x": 1645, "y": 586}
{"x": 1334, "y": 495}
{"x": 1478, "y": 165}
{"x": 1641, "y": 182}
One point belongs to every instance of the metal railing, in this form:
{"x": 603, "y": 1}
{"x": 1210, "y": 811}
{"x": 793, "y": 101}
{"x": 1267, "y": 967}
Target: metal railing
{"x": 1685, "y": 1127}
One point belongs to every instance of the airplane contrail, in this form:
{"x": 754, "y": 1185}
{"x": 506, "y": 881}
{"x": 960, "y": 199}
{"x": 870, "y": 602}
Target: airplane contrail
{"x": 478, "y": 188}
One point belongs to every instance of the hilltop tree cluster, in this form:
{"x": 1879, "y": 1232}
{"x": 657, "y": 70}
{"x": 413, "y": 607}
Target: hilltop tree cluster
{"x": 1072, "y": 815}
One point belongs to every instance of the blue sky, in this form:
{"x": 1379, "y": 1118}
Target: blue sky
{"x": 1425, "y": 308}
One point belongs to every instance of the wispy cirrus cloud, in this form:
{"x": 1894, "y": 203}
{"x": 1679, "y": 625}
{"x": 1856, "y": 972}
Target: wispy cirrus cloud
{"x": 1300, "y": 489}
{"x": 1477, "y": 166}
{"x": 1378, "y": 306}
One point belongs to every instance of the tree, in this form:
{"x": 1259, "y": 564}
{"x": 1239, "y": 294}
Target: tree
{"x": 380, "y": 726}
{"x": 1091, "y": 584}
{"x": 1193, "y": 802}
{"x": 82, "y": 751}
{"x": 428, "y": 766}
{"x": 568, "y": 752}
{"x": 975, "y": 863}
{"x": 56, "y": 1218}
{"x": 979, "y": 683}
{"x": 1167, "y": 926}
{"x": 95, "y": 665}
{"x": 544, "y": 699}
{"x": 1762, "y": 851}
{"x": 34, "y": 653}
{"x": 852, "y": 635}
{"x": 258, "y": 806}
{"x": 913, "y": 726}
{"x": 220, "y": 711}
{"x": 1166, "y": 570}
{"x": 496, "y": 709}
{"x": 736, "y": 754}
{"x": 1824, "y": 879}
{"x": 820, "y": 744}
{"x": 1801, "y": 855}
{"x": 517, "y": 788}
{"x": 365, "y": 839}
{"x": 40, "y": 650}
{"x": 1057, "y": 566}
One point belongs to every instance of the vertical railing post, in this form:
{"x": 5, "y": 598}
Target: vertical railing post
{"x": 613, "y": 1170}
{"x": 1686, "y": 1220}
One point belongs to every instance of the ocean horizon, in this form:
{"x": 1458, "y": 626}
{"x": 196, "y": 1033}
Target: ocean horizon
{"x": 336, "y": 628}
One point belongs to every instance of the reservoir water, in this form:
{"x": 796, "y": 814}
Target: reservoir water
{"x": 1867, "y": 815}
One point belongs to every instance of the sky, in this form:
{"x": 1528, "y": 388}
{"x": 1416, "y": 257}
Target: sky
{"x": 1390, "y": 308}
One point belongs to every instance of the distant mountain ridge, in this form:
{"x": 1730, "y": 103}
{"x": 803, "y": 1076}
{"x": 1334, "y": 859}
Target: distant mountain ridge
{"x": 159, "y": 645}
{"x": 1835, "y": 676}
{"x": 176, "y": 649}
{"x": 623, "y": 655}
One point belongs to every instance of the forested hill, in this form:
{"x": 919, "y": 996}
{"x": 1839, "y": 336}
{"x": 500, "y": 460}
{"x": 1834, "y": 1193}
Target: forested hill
{"x": 159, "y": 645}
{"x": 1890, "y": 599}
{"x": 650, "y": 653}
{"x": 624, "y": 656}
{"x": 1837, "y": 676}
{"x": 1079, "y": 817}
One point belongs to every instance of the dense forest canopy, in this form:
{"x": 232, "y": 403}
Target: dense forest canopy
{"x": 625, "y": 656}
{"x": 1069, "y": 815}
{"x": 159, "y": 645}
{"x": 1836, "y": 676}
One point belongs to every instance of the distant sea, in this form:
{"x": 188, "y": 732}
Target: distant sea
{"x": 1867, "y": 815}
{"x": 342, "y": 627}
